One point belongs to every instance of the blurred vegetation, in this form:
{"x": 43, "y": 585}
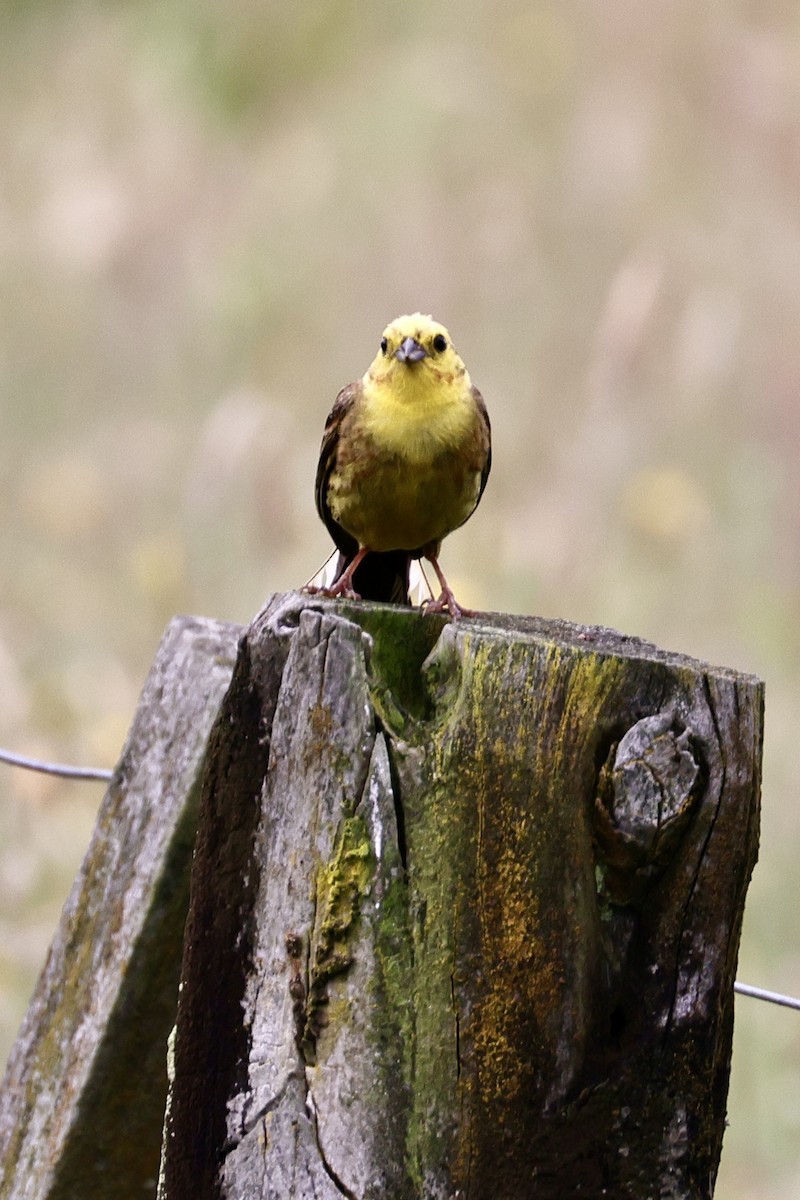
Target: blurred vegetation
{"x": 207, "y": 214}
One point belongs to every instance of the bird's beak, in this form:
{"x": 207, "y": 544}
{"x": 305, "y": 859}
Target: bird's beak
{"x": 410, "y": 351}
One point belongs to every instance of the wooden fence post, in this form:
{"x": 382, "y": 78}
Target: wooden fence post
{"x": 82, "y": 1100}
{"x": 465, "y": 913}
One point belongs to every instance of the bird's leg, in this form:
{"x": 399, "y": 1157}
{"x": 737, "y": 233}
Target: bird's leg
{"x": 447, "y": 601}
{"x": 344, "y": 584}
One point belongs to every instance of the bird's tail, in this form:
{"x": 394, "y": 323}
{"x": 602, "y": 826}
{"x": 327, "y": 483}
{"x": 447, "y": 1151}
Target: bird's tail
{"x": 380, "y": 576}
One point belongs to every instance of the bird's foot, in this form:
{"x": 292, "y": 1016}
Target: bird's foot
{"x": 340, "y": 590}
{"x": 447, "y": 603}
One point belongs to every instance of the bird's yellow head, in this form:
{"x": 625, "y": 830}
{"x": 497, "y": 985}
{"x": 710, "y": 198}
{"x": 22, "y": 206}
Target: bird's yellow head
{"x": 417, "y": 361}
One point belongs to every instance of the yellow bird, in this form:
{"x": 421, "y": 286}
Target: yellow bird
{"x": 405, "y": 458}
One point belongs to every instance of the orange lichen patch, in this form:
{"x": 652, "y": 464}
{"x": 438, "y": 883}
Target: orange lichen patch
{"x": 320, "y": 722}
{"x": 526, "y": 845}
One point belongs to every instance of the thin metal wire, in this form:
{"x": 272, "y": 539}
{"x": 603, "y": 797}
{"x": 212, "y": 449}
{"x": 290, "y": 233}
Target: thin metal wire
{"x": 48, "y": 768}
{"x": 745, "y": 989}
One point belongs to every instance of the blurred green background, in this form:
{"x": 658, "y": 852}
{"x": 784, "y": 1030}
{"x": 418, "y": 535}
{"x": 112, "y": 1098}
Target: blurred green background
{"x": 207, "y": 214}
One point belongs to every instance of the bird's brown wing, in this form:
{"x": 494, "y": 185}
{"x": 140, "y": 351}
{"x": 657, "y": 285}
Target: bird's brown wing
{"x": 487, "y": 434}
{"x": 345, "y": 543}
{"x": 482, "y": 447}
{"x": 381, "y": 576}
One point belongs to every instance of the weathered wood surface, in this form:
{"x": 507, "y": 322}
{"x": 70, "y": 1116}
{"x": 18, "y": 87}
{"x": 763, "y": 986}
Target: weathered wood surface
{"x": 82, "y": 1101}
{"x": 465, "y": 914}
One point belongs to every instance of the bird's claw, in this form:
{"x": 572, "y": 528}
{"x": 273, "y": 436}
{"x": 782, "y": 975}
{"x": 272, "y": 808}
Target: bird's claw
{"x": 334, "y": 592}
{"x": 446, "y": 603}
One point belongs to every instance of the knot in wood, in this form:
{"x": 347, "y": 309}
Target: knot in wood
{"x": 645, "y": 797}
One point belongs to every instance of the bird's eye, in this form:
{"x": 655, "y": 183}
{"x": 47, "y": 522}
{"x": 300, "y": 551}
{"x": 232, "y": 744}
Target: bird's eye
{"x": 384, "y": 345}
{"x": 439, "y": 343}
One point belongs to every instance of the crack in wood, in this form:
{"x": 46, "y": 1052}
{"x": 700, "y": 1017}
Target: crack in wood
{"x": 336, "y": 1180}
{"x": 397, "y": 795}
{"x": 264, "y": 1110}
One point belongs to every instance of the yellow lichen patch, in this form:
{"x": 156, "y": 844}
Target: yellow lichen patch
{"x": 340, "y": 884}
